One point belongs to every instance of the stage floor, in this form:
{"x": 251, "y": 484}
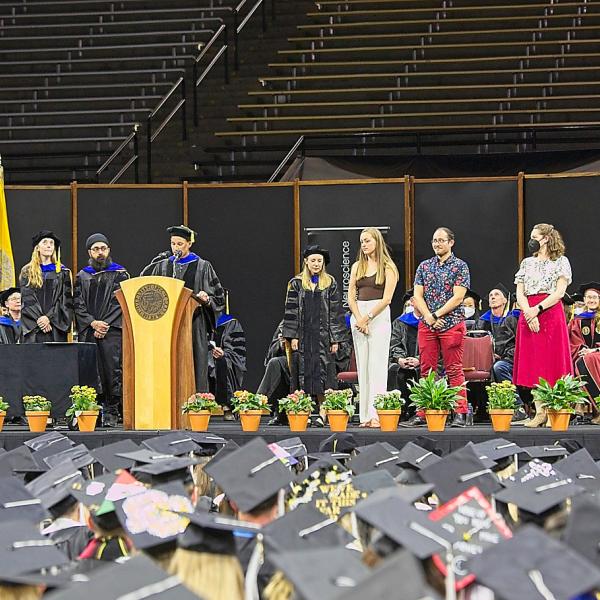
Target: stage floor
{"x": 449, "y": 440}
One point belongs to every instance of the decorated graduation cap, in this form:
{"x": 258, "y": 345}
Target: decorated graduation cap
{"x": 304, "y": 528}
{"x": 182, "y": 231}
{"x": 108, "y": 456}
{"x": 459, "y": 471}
{"x": 17, "y": 502}
{"x": 535, "y": 566}
{"x": 582, "y": 469}
{"x": 139, "y": 577}
{"x": 249, "y": 475}
{"x": 6, "y": 294}
{"x": 322, "y": 573}
{"x": 339, "y": 442}
{"x": 538, "y": 487}
{"x": 316, "y": 249}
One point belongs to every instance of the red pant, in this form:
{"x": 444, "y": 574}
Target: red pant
{"x": 451, "y": 343}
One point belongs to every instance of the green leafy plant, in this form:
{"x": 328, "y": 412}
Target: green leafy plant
{"x": 392, "y": 400}
{"x": 501, "y": 396}
{"x": 82, "y": 398}
{"x": 243, "y": 400}
{"x": 430, "y": 393}
{"x": 3, "y": 405}
{"x": 297, "y": 402}
{"x": 339, "y": 400}
{"x": 36, "y": 403}
{"x": 563, "y": 395}
{"x": 198, "y": 402}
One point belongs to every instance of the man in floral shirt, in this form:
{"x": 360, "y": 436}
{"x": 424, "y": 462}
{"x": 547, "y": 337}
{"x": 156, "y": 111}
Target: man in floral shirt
{"x": 440, "y": 286}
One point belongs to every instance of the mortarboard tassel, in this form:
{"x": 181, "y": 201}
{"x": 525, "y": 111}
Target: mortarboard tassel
{"x": 58, "y": 260}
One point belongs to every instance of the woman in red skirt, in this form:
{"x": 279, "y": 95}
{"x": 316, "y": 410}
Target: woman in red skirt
{"x": 542, "y": 344}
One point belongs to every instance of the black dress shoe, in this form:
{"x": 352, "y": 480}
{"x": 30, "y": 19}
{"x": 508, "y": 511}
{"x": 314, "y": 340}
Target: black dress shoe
{"x": 110, "y": 420}
{"x": 520, "y": 415}
{"x": 275, "y": 421}
{"x": 460, "y": 420}
{"x": 415, "y": 421}
{"x": 316, "y": 421}
{"x": 580, "y": 420}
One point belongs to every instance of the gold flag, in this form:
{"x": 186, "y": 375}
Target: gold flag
{"x": 7, "y": 263}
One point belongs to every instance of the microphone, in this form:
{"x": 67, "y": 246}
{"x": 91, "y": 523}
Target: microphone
{"x": 162, "y": 255}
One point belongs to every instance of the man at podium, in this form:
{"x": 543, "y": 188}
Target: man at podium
{"x": 199, "y": 276}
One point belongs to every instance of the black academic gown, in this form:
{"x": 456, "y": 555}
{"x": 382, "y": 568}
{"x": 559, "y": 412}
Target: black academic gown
{"x": 227, "y": 372}
{"x": 95, "y": 300}
{"x": 316, "y": 319}
{"x": 54, "y": 299}
{"x": 403, "y": 344}
{"x": 198, "y": 275}
{"x": 10, "y": 331}
{"x": 504, "y": 332}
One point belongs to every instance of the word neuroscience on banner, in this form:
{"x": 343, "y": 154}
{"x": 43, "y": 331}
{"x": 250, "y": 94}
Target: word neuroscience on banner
{"x": 7, "y": 263}
{"x": 343, "y": 244}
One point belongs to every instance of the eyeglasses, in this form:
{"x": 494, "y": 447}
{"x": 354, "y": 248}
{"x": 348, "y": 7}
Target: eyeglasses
{"x": 439, "y": 241}
{"x": 99, "y": 249}
{"x": 591, "y": 297}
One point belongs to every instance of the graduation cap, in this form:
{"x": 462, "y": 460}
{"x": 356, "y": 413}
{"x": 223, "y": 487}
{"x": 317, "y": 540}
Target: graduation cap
{"x": 372, "y": 481}
{"x": 57, "y": 446}
{"x": 139, "y": 577}
{"x": 20, "y": 460}
{"x": 502, "y": 289}
{"x": 182, "y": 231}
{"x": 316, "y": 249}
{"x": 376, "y": 457}
{"x": 212, "y": 533}
{"x": 339, "y": 442}
{"x": 207, "y": 441}
{"x": 537, "y": 487}
{"x": 331, "y": 457}
{"x": 582, "y": 469}
{"x": 110, "y": 458}
{"x": 144, "y": 456}
{"x": 408, "y": 294}
{"x": 164, "y": 471}
{"x": 401, "y": 571}
{"x": 416, "y": 457}
{"x": 406, "y": 493}
{"x": 80, "y": 456}
{"x": 156, "y": 516}
{"x": 17, "y": 502}
{"x": 54, "y": 487}
{"x": 304, "y": 528}
{"x": 582, "y": 532}
{"x": 547, "y": 453}
{"x": 592, "y": 285}
{"x": 458, "y": 472}
{"x": 473, "y": 294}
{"x": 250, "y": 475}
{"x": 46, "y": 439}
{"x": 404, "y": 524}
{"x": 42, "y": 235}
{"x": 496, "y": 449}
{"x": 24, "y": 549}
{"x": 535, "y": 566}
{"x": 229, "y": 447}
{"x": 321, "y": 573}
{"x": 294, "y": 446}
{"x": 175, "y": 443}
{"x": 6, "y": 294}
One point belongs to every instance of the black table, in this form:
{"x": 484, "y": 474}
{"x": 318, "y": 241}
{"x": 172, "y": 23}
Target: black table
{"x": 48, "y": 370}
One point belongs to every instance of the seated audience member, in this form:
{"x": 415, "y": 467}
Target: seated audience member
{"x": 403, "y": 360}
{"x": 472, "y": 306}
{"x": 584, "y": 339}
{"x": 501, "y": 322}
{"x": 10, "y": 320}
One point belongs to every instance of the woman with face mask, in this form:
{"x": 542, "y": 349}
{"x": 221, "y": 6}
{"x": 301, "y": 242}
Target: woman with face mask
{"x": 472, "y": 308}
{"x": 314, "y": 323}
{"x": 542, "y": 343}
{"x": 584, "y": 338}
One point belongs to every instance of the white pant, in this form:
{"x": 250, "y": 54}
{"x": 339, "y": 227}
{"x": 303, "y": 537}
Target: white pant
{"x": 372, "y": 352}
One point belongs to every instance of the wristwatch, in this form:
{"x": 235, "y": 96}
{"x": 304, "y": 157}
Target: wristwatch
{"x": 370, "y": 316}
{"x": 434, "y": 316}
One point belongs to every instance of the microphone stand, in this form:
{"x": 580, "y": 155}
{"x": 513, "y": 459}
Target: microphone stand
{"x": 157, "y": 258}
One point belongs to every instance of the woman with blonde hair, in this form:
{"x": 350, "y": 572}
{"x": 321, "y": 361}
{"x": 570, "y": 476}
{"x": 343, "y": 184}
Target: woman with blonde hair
{"x": 46, "y": 293}
{"x": 313, "y": 322}
{"x": 542, "y": 341}
{"x": 373, "y": 279}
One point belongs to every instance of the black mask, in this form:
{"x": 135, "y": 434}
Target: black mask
{"x": 533, "y": 246}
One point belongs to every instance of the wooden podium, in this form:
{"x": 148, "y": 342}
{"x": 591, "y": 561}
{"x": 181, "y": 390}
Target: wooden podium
{"x": 158, "y": 362}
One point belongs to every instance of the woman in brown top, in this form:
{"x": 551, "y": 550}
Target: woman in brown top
{"x": 373, "y": 280}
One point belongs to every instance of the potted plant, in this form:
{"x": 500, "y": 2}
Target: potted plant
{"x": 436, "y": 398}
{"x": 37, "y": 411}
{"x": 389, "y": 407}
{"x": 560, "y": 399}
{"x": 84, "y": 407}
{"x": 250, "y": 408}
{"x": 339, "y": 408}
{"x": 298, "y": 406}
{"x": 501, "y": 404}
{"x": 198, "y": 408}
{"x": 3, "y": 409}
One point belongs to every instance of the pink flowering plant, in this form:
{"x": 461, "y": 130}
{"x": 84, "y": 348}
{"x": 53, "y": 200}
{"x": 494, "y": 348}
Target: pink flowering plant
{"x": 297, "y": 402}
{"x": 199, "y": 402}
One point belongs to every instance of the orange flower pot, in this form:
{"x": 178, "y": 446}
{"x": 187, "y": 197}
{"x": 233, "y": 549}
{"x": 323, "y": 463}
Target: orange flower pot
{"x": 436, "y": 419}
{"x": 86, "y": 420}
{"x": 338, "y": 420}
{"x": 501, "y": 418}
{"x": 37, "y": 419}
{"x": 298, "y": 421}
{"x": 250, "y": 420}
{"x": 2, "y": 415}
{"x": 559, "y": 419}
{"x": 199, "y": 420}
{"x": 388, "y": 419}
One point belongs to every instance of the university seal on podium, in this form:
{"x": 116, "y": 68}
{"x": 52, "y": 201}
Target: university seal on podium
{"x": 151, "y": 302}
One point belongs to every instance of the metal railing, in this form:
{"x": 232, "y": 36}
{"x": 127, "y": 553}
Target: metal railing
{"x": 293, "y": 153}
{"x": 151, "y": 136}
{"x": 238, "y": 25}
{"x": 134, "y": 160}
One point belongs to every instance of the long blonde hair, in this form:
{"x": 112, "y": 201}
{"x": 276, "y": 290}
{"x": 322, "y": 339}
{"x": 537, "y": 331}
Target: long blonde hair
{"x": 382, "y": 255}
{"x": 20, "y": 592}
{"x": 33, "y": 269}
{"x": 556, "y": 245}
{"x": 325, "y": 279}
{"x": 211, "y": 576}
